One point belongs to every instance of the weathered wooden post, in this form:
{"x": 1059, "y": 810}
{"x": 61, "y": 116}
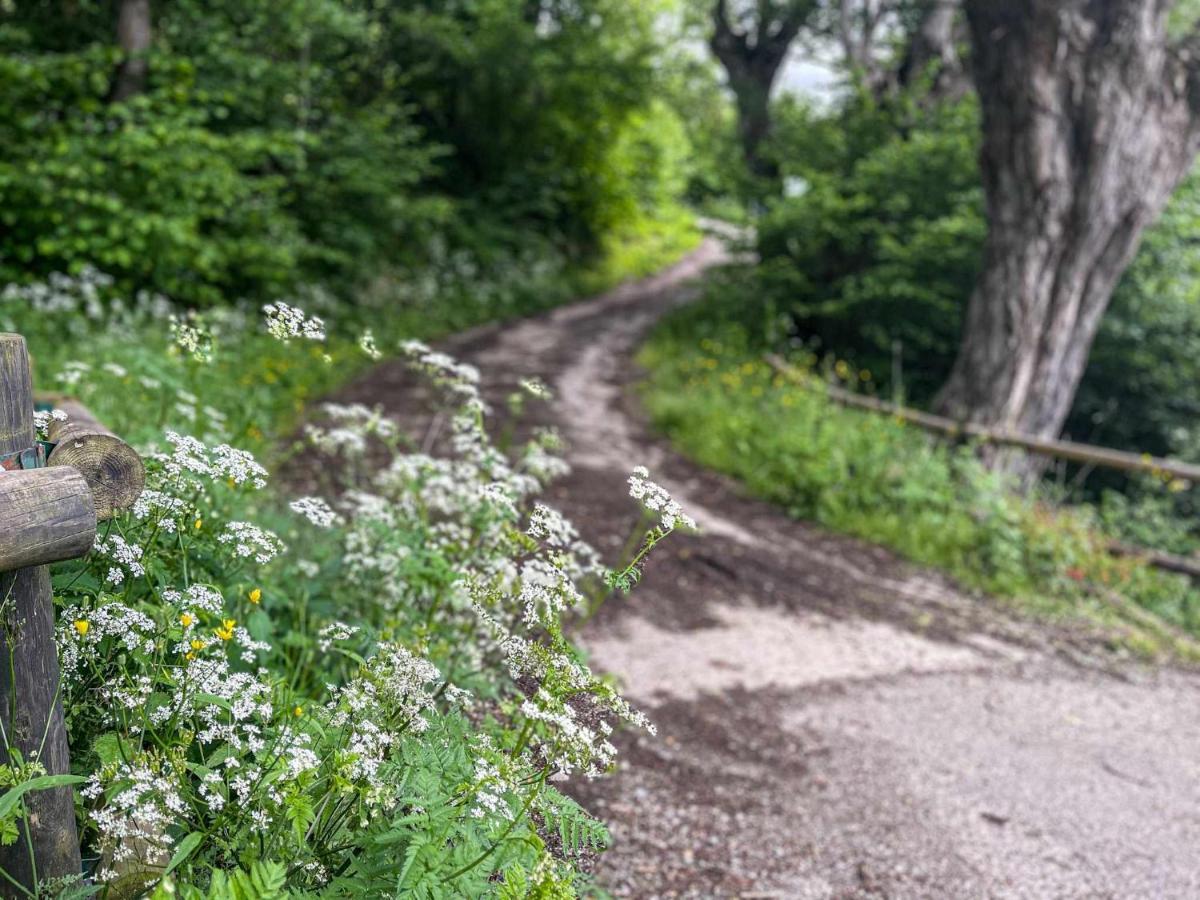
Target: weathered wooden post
{"x": 46, "y": 515}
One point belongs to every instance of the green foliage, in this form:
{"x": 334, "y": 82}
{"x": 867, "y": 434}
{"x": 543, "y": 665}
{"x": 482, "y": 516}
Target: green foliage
{"x": 532, "y": 100}
{"x": 278, "y": 144}
{"x": 879, "y": 250}
{"x": 229, "y": 177}
{"x": 881, "y": 480}
{"x": 873, "y": 257}
{"x": 262, "y": 881}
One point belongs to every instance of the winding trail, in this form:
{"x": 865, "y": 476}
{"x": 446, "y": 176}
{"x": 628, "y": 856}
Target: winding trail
{"x": 834, "y": 722}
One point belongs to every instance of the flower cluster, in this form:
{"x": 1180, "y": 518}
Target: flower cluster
{"x": 352, "y": 428}
{"x": 656, "y": 499}
{"x": 191, "y": 337}
{"x": 316, "y": 510}
{"x": 249, "y": 540}
{"x": 287, "y": 322}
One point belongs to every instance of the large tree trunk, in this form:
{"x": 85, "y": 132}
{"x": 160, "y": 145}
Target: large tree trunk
{"x": 1088, "y": 127}
{"x": 752, "y": 93}
{"x": 752, "y": 59}
{"x": 134, "y": 35}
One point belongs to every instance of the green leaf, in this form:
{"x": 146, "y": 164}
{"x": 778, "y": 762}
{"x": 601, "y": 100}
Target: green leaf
{"x": 43, "y": 782}
{"x": 184, "y": 850}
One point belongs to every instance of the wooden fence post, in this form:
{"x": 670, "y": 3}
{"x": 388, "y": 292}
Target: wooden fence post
{"x": 31, "y": 712}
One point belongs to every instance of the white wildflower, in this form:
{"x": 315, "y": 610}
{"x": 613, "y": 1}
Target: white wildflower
{"x": 287, "y": 322}
{"x": 249, "y": 540}
{"x": 316, "y": 510}
{"x": 367, "y": 344}
{"x": 656, "y": 499}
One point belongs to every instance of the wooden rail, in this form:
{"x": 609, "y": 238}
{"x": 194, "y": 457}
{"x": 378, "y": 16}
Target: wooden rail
{"x": 49, "y": 507}
{"x": 1103, "y": 457}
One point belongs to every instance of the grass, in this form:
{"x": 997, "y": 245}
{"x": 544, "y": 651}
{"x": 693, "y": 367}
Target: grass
{"x": 883, "y": 481}
{"x": 641, "y": 248}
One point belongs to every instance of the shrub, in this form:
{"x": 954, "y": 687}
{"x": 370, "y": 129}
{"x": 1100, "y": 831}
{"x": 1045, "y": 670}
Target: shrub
{"x": 882, "y": 244}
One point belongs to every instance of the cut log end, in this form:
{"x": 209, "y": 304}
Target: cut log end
{"x": 112, "y": 469}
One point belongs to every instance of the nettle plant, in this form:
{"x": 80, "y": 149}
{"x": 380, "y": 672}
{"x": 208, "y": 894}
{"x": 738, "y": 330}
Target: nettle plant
{"x": 385, "y": 713}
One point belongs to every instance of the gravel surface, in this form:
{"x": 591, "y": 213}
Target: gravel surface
{"x": 834, "y": 722}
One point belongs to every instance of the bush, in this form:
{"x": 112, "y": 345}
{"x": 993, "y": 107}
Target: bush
{"x": 282, "y": 144}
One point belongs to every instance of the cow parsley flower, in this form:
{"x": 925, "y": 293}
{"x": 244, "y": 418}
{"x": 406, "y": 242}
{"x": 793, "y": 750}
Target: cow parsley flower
{"x": 167, "y": 510}
{"x": 367, "y": 344}
{"x": 128, "y": 558}
{"x": 656, "y": 499}
{"x": 334, "y": 632}
{"x": 192, "y": 338}
{"x": 316, "y": 511}
{"x": 78, "y": 647}
{"x": 134, "y": 821}
{"x": 249, "y": 540}
{"x": 287, "y": 322}
{"x": 535, "y": 388}
{"x": 43, "y": 418}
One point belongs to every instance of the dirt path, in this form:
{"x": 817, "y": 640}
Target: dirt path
{"x": 834, "y": 722}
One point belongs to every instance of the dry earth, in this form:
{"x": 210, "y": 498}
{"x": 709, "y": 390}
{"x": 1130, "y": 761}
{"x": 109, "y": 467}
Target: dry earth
{"x": 834, "y": 722}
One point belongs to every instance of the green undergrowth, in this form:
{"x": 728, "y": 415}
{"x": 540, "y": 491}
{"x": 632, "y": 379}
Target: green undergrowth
{"x": 876, "y": 478}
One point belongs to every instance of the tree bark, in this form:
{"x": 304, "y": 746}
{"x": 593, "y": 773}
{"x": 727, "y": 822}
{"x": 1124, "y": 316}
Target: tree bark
{"x": 31, "y": 714}
{"x": 935, "y": 45}
{"x": 752, "y": 58}
{"x": 1088, "y": 126}
{"x": 134, "y": 35}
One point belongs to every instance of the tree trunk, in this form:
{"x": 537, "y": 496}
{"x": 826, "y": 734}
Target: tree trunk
{"x": 752, "y": 92}
{"x": 752, "y": 59}
{"x": 1087, "y": 129}
{"x": 935, "y": 43}
{"x": 134, "y": 35}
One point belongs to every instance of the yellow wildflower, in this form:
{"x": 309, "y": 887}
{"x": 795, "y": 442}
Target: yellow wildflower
{"x": 298, "y": 711}
{"x": 255, "y": 595}
{"x": 186, "y": 620}
{"x": 197, "y": 644}
{"x": 82, "y": 626}
{"x": 198, "y": 523}
{"x": 225, "y": 632}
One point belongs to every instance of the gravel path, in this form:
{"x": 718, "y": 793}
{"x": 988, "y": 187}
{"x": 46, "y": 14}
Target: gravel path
{"x": 832, "y": 721}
